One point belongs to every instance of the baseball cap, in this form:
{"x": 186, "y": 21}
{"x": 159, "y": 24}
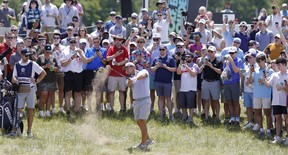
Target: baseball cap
{"x": 202, "y": 21}
{"x": 237, "y": 40}
{"x": 105, "y": 41}
{"x": 277, "y": 35}
{"x": 144, "y": 10}
{"x": 119, "y": 16}
{"x": 212, "y": 48}
{"x": 83, "y": 40}
{"x": 284, "y": 5}
{"x": 112, "y": 13}
{"x": 243, "y": 23}
{"x": 48, "y": 48}
{"x": 134, "y": 15}
{"x": 162, "y": 46}
{"x": 251, "y": 53}
{"x": 25, "y": 52}
{"x": 129, "y": 64}
{"x": 232, "y": 49}
{"x": 70, "y": 27}
{"x": 156, "y": 35}
{"x": 180, "y": 43}
{"x": 133, "y": 43}
{"x": 172, "y": 34}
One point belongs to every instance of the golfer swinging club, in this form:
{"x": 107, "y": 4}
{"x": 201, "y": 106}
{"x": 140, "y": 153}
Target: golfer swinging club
{"x": 139, "y": 82}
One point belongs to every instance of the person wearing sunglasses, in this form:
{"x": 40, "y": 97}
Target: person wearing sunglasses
{"x": 161, "y": 25}
{"x": 188, "y": 71}
{"x": 232, "y": 85}
{"x": 244, "y": 36}
{"x": 72, "y": 65}
{"x": 210, "y": 90}
{"x": 236, "y": 43}
{"x": 27, "y": 85}
{"x": 7, "y": 15}
{"x": 273, "y": 50}
{"x": 57, "y": 53}
{"x": 274, "y": 19}
{"x": 254, "y": 28}
{"x": 70, "y": 33}
{"x": 264, "y": 36}
{"x": 118, "y": 28}
{"x": 133, "y": 24}
{"x": 261, "y": 97}
{"x": 111, "y": 22}
{"x": 164, "y": 66}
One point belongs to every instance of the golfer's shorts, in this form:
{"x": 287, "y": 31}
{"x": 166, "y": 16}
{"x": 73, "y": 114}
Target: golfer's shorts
{"x": 142, "y": 109}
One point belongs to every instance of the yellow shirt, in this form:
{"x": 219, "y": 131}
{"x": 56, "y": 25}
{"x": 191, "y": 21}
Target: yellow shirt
{"x": 275, "y": 50}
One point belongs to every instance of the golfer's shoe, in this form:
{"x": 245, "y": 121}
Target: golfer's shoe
{"x": 149, "y": 142}
{"x": 141, "y": 147}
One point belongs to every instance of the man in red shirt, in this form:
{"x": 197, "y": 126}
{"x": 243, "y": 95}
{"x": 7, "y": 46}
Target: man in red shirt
{"x": 117, "y": 56}
{"x": 3, "y": 47}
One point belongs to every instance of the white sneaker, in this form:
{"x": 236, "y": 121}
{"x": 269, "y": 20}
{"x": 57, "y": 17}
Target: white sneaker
{"x": 41, "y": 114}
{"x": 108, "y": 107}
{"x": 256, "y": 127}
{"x": 276, "y": 140}
{"x": 61, "y": 110}
{"x": 249, "y": 125}
{"x": 48, "y": 114}
{"x": 286, "y": 141}
{"x": 102, "y": 107}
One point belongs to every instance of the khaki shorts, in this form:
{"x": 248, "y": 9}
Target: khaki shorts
{"x": 116, "y": 83}
{"x": 260, "y": 103}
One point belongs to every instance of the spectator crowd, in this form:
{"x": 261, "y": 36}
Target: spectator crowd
{"x": 191, "y": 71}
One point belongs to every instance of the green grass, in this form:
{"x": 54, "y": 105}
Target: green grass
{"x": 114, "y": 134}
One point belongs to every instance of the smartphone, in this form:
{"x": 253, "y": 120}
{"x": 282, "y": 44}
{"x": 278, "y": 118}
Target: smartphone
{"x": 276, "y": 23}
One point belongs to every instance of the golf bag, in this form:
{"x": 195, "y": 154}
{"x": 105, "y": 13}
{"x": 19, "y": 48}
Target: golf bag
{"x": 9, "y": 114}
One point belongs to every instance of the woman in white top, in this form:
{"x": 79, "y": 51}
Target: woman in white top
{"x": 218, "y": 41}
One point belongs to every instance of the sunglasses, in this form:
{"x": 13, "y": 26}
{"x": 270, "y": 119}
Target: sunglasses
{"x": 210, "y": 51}
{"x": 150, "y": 19}
{"x": 72, "y": 42}
{"x": 254, "y": 23}
{"x": 56, "y": 38}
{"x": 13, "y": 30}
{"x": 155, "y": 39}
{"x": 118, "y": 18}
{"x": 112, "y": 15}
{"x": 179, "y": 47}
{"x": 242, "y": 26}
{"x": 9, "y": 37}
{"x": 5, "y": 2}
{"x": 140, "y": 42}
{"x": 277, "y": 38}
{"x": 134, "y": 18}
{"x": 231, "y": 53}
{"x": 159, "y": 15}
{"x": 75, "y": 20}
{"x": 236, "y": 42}
{"x": 162, "y": 49}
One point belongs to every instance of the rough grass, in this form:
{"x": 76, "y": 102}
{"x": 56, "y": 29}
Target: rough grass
{"x": 114, "y": 134}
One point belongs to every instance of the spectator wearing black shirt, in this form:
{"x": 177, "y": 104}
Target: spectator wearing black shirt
{"x": 254, "y": 28}
{"x": 211, "y": 70}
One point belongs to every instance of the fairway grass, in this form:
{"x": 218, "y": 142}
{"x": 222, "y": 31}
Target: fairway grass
{"x": 93, "y": 134}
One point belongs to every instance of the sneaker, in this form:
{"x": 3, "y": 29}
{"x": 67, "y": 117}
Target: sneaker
{"x": 189, "y": 120}
{"x": 149, "y": 142}
{"x": 48, "y": 114}
{"x": 29, "y": 135}
{"x": 108, "y": 107}
{"x": 171, "y": 118}
{"x": 102, "y": 107}
{"x": 256, "y": 127}
{"x": 276, "y": 140}
{"x": 62, "y": 110}
{"x": 249, "y": 125}
{"x": 268, "y": 135}
{"x": 41, "y": 114}
{"x": 12, "y": 135}
{"x": 141, "y": 147}
{"x": 231, "y": 122}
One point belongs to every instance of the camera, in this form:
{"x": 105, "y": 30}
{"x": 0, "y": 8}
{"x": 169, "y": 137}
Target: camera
{"x": 184, "y": 13}
{"x": 276, "y": 23}
{"x": 226, "y": 57}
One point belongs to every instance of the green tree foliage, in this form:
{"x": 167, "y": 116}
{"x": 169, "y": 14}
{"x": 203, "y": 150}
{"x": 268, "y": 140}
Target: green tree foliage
{"x": 96, "y": 9}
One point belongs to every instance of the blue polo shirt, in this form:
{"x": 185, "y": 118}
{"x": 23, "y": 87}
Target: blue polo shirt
{"x": 235, "y": 78}
{"x": 245, "y": 38}
{"x": 96, "y": 63}
{"x": 163, "y": 75}
{"x": 261, "y": 91}
{"x": 228, "y": 37}
{"x": 108, "y": 25}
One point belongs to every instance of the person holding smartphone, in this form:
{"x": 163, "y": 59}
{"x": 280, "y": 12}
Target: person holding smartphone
{"x": 33, "y": 15}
